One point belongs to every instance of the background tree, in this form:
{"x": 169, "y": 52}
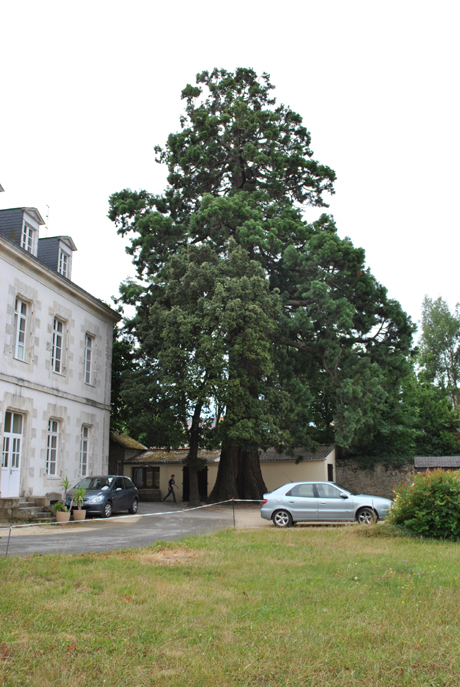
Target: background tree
{"x": 417, "y": 419}
{"x": 439, "y": 355}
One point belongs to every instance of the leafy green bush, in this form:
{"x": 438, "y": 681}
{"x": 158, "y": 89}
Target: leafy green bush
{"x": 430, "y": 505}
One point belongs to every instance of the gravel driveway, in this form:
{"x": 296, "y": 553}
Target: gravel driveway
{"x": 154, "y": 522}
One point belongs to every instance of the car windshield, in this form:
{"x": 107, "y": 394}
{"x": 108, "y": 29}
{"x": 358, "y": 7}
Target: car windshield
{"x": 95, "y": 483}
{"x": 347, "y": 491}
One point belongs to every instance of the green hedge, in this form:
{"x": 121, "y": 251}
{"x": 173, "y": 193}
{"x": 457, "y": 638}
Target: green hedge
{"x": 430, "y": 505}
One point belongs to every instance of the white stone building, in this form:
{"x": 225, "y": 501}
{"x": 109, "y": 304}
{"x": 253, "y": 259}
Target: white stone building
{"x": 55, "y": 363}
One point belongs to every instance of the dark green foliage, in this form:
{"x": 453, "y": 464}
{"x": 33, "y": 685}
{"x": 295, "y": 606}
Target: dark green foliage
{"x": 234, "y": 138}
{"x": 122, "y": 362}
{"x": 416, "y": 419}
{"x": 350, "y": 338}
{"x": 430, "y": 506}
{"x": 149, "y": 417}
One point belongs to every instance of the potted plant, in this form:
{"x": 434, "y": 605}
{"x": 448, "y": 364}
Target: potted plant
{"x": 60, "y": 509}
{"x": 78, "y": 495}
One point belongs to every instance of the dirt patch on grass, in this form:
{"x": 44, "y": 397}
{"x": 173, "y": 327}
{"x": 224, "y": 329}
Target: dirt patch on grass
{"x": 169, "y": 557}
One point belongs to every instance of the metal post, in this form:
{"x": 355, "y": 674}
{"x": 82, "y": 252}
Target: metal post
{"x": 233, "y": 506}
{"x": 8, "y": 542}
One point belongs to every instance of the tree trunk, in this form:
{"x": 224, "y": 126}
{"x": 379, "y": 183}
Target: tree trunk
{"x": 192, "y": 458}
{"x": 250, "y": 483}
{"x": 238, "y": 476}
{"x": 194, "y": 495}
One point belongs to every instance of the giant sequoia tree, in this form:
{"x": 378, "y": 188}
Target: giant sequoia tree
{"x": 303, "y": 356}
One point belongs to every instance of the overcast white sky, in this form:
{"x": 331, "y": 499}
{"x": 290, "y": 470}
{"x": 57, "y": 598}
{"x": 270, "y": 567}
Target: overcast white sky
{"x": 89, "y": 88}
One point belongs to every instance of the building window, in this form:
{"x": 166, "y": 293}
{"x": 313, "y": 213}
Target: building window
{"x": 146, "y": 477}
{"x": 12, "y": 440}
{"x": 84, "y": 448}
{"x": 88, "y": 358}
{"x": 63, "y": 264}
{"x": 58, "y": 341}
{"x": 52, "y": 447}
{"x": 27, "y": 238}
{"x": 20, "y": 327}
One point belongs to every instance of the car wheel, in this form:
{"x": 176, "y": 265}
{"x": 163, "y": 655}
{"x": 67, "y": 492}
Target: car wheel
{"x": 134, "y": 507}
{"x": 366, "y": 516}
{"x": 282, "y": 518}
{"x": 107, "y": 510}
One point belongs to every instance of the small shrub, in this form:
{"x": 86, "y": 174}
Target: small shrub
{"x": 430, "y": 505}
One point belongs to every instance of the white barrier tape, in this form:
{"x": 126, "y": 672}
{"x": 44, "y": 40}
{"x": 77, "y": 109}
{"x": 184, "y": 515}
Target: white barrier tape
{"x": 124, "y": 517}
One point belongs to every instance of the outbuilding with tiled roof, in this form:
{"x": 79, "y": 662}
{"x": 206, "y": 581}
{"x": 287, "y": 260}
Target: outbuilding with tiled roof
{"x": 151, "y": 469}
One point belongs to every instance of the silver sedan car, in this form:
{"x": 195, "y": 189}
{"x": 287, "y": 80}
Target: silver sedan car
{"x": 321, "y": 502}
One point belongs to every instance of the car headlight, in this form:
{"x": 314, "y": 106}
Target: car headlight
{"x": 96, "y": 499}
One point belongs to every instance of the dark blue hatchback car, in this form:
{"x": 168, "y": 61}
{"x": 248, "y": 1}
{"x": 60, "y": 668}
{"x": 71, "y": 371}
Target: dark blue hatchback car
{"x": 107, "y": 494}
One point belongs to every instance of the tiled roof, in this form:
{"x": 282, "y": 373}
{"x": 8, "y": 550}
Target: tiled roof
{"x": 438, "y": 462}
{"x": 271, "y": 455}
{"x": 161, "y": 456}
{"x": 172, "y": 457}
{"x": 126, "y": 441}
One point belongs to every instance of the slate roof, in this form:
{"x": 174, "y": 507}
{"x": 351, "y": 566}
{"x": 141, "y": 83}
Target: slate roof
{"x": 115, "y": 316}
{"x": 438, "y": 462}
{"x": 161, "y": 456}
{"x": 126, "y": 441}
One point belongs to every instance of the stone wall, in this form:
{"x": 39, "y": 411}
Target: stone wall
{"x": 376, "y": 481}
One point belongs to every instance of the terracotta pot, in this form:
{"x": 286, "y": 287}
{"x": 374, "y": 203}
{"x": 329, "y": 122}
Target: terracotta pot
{"x": 79, "y": 514}
{"x": 62, "y": 517}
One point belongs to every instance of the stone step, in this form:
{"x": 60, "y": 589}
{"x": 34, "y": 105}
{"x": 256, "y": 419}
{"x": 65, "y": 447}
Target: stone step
{"x": 44, "y": 516}
{"x": 24, "y": 514}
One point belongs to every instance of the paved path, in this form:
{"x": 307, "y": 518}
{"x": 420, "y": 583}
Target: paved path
{"x": 168, "y": 522}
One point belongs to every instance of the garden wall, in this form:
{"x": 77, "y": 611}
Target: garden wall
{"x": 377, "y": 480}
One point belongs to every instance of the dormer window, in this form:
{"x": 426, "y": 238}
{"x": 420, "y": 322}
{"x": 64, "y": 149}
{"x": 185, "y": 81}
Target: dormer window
{"x": 27, "y": 238}
{"x": 56, "y": 253}
{"x": 63, "y": 267}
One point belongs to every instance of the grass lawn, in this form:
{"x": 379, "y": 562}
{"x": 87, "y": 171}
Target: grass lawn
{"x": 297, "y": 607}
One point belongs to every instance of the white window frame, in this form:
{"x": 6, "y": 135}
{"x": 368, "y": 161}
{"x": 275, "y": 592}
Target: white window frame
{"x": 27, "y": 237}
{"x": 52, "y": 447}
{"x": 84, "y": 449}
{"x": 64, "y": 263}
{"x": 20, "y": 328}
{"x": 88, "y": 360}
{"x": 57, "y": 351}
{"x": 12, "y": 442}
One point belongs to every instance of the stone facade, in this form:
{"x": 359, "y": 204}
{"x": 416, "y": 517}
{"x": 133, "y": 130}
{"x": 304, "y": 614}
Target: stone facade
{"x": 58, "y": 393}
{"x": 376, "y": 481}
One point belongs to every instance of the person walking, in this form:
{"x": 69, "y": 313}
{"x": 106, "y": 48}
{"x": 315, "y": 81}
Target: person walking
{"x": 171, "y": 485}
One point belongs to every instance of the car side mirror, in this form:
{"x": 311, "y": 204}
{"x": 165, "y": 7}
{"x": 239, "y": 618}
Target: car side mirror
{"x": 343, "y": 496}
{"x": 118, "y": 489}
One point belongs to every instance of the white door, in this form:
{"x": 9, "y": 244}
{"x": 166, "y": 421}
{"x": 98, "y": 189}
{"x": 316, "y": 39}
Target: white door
{"x": 11, "y": 455}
